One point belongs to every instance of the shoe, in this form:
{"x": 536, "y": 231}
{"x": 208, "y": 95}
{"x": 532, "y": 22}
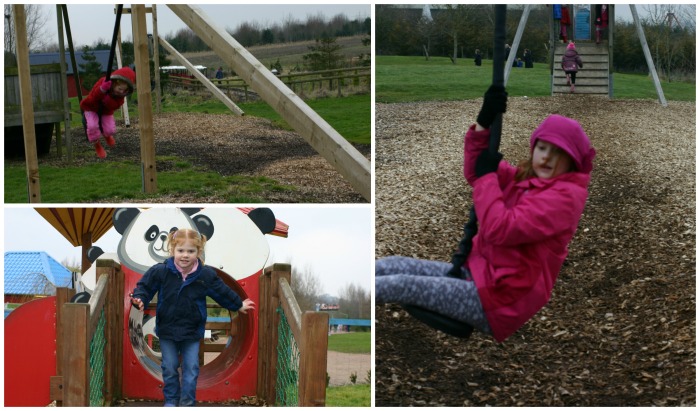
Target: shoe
{"x": 110, "y": 141}
{"x": 101, "y": 153}
{"x": 573, "y": 88}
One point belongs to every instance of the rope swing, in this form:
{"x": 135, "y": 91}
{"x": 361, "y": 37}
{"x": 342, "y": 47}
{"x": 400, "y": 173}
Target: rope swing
{"x": 431, "y": 318}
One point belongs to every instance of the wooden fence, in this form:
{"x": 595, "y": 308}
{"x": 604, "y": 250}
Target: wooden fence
{"x": 310, "y": 330}
{"x": 300, "y": 83}
{"x": 71, "y": 387}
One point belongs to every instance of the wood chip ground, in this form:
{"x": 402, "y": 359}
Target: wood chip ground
{"x": 620, "y": 327}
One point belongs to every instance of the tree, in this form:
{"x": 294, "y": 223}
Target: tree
{"x": 268, "y": 36}
{"x": 324, "y": 55}
{"x": 355, "y": 301}
{"x": 306, "y": 288}
{"x": 36, "y": 28}
{"x": 91, "y": 70}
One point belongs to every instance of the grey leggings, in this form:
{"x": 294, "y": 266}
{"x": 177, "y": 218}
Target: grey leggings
{"x": 424, "y": 283}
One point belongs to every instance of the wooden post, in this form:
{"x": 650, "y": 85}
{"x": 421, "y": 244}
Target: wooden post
{"x": 64, "y": 84}
{"x": 611, "y": 28}
{"x": 265, "y": 319}
{"x": 86, "y": 243}
{"x": 143, "y": 89}
{"x": 114, "y": 320}
{"x": 345, "y": 158}
{"x": 25, "y": 91}
{"x": 313, "y": 361}
{"x": 267, "y": 355}
{"x": 156, "y": 56}
{"x": 76, "y": 355}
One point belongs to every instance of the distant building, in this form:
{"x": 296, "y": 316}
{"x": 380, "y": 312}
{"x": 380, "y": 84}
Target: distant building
{"x": 33, "y": 274}
{"x": 101, "y": 56}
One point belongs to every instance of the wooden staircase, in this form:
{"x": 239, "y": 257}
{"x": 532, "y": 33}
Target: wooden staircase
{"x": 593, "y": 78}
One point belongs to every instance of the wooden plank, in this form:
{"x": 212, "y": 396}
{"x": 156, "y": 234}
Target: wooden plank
{"x": 264, "y": 336}
{"x": 313, "y": 359}
{"x": 25, "y": 88}
{"x": 56, "y": 388}
{"x": 143, "y": 89}
{"x": 345, "y": 158}
{"x": 156, "y": 54}
{"x": 199, "y": 76}
{"x": 291, "y": 308}
{"x": 76, "y": 355}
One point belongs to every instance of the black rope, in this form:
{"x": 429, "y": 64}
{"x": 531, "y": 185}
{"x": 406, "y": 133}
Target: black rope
{"x": 76, "y": 74}
{"x": 471, "y": 228}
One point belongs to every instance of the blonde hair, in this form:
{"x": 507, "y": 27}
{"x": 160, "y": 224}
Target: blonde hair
{"x": 183, "y": 235}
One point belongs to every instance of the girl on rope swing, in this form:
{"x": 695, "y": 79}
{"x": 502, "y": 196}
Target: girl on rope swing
{"x": 527, "y": 214}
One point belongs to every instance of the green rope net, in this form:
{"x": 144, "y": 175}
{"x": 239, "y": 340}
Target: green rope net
{"x": 97, "y": 364}
{"x": 287, "y": 384}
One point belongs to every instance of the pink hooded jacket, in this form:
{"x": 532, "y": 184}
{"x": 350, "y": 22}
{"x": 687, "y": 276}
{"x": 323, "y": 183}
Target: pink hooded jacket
{"x": 524, "y": 227}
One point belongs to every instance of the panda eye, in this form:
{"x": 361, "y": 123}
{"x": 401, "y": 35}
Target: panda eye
{"x": 152, "y": 233}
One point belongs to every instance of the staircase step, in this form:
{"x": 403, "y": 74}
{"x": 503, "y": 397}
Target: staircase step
{"x": 580, "y": 90}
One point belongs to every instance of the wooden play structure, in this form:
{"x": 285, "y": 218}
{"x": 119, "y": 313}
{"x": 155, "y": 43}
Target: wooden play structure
{"x": 347, "y": 160}
{"x": 96, "y": 352}
{"x": 597, "y": 75}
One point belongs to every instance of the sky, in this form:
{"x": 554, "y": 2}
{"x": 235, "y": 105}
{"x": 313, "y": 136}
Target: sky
{"x": 91, "y": 22}
{"x": 336, "y": 243}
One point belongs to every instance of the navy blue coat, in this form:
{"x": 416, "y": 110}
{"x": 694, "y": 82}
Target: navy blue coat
{"x": 181, "y": 311}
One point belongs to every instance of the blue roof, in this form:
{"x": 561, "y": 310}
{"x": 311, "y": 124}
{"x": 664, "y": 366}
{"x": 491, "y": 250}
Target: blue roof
{"x": 102, "y": 57}
{"x": 34, "y": 273}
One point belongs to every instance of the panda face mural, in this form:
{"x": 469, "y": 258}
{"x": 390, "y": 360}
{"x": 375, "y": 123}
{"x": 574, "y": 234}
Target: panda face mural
{"x": 144, "y": 233}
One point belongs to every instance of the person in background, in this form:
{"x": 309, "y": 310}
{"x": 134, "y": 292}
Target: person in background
{"x": 477, "y": 57}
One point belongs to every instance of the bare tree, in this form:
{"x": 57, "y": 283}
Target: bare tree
{"x": 37, "y": 21}
{"x": 664, "y": 31}
{"x": 355, "y": 301}
{"x": 306, "y": 287}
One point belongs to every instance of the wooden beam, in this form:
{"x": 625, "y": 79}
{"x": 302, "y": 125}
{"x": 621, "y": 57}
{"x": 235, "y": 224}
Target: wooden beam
{"x": 76, "y": 355}
{"x": 202, "y": 78}
{"x": 313, "y": 361}
{"x": 156, "y": 56}
{"x": 25, "y": 91}
{"x": 143, "y": 90}
{"x": 345, "y": 158}
{"x": 64, "y": 84}
{"x": 647, "y": 55}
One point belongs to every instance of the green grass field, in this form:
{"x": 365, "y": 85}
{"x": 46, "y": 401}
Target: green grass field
{"x": 356, "y": 343}
{"x": 357, "y": 395}
{"x": 406, "y": 79}
{"x": 64, "y": 183}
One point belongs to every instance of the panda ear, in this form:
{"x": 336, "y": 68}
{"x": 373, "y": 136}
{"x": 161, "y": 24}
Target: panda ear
{"x": 264, "y": 218}
{"x": 93, "y": 253}
{"x": 122, "y": 217}
{"x": 204, "y": 225}
{"x": 190, "y": 211}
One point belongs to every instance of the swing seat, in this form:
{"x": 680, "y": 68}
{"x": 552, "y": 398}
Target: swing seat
{"x": 440, "y": 322}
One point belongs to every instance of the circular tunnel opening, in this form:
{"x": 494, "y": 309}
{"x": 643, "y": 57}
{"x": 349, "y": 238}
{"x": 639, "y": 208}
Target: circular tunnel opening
{"x": 231, "y": 336}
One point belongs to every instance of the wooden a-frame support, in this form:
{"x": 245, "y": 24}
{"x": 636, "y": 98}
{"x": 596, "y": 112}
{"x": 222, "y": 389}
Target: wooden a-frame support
{"x": 345, "y": 158}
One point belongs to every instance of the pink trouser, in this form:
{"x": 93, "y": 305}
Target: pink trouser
{"x": 93, "y": 125}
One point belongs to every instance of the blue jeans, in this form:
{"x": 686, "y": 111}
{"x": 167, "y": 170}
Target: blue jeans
{"x": 177, "y": 394}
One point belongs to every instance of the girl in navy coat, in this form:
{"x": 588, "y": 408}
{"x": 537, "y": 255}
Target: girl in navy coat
{"x": 183, "y": 282}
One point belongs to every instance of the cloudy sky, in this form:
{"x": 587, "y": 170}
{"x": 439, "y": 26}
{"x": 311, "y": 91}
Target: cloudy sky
{"x": 335, "y": 242}
{"x": 92, "y": 22}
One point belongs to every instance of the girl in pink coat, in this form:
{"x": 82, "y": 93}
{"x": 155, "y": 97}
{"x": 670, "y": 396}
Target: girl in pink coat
{"x": 99, "y": 106}
{"x": 527, "y": 216}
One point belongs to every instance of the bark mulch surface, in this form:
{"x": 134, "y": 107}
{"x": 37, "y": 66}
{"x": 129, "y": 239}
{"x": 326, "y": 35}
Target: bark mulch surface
{"x": 620, "y": 327}
{"x": 229, "y": 145}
